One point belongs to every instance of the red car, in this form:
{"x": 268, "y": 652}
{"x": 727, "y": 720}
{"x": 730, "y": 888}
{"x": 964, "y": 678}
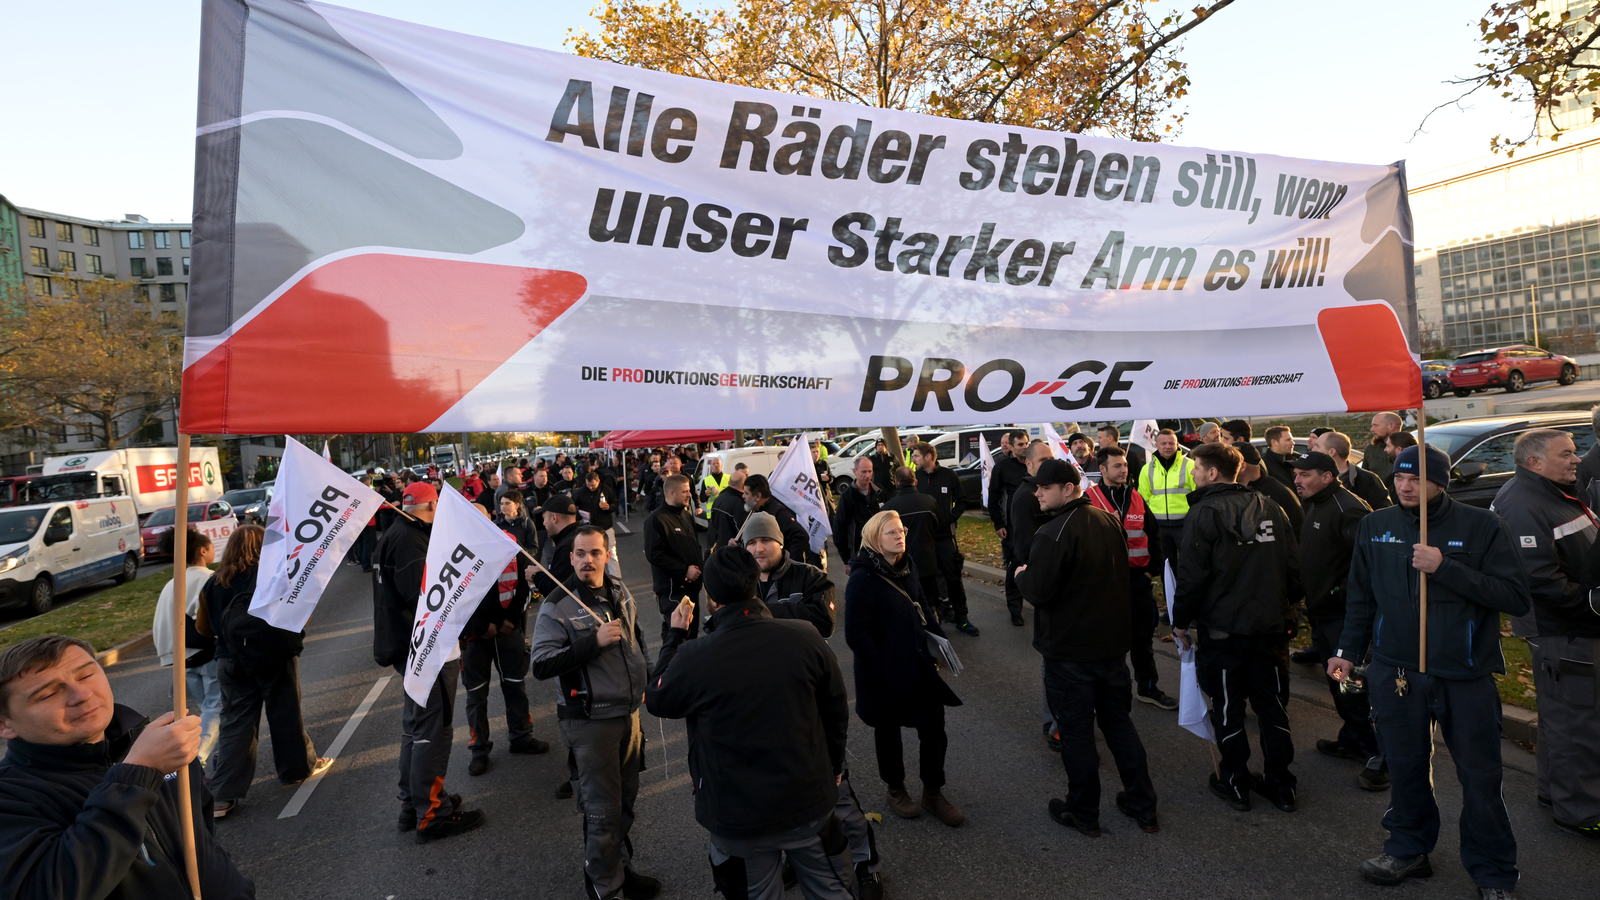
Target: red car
{"x": 160, "y": 522}
{"x": 1512, "y": 368}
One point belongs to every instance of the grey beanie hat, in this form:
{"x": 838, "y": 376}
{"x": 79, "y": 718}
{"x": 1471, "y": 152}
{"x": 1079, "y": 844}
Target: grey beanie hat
{"x": 760, "y": 525}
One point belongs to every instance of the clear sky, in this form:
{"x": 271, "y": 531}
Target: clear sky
{"x": 104, "y": 124}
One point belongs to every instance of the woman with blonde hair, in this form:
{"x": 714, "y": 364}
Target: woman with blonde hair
{"x": 245, "y": 693}
{"x": 886, "y": 623}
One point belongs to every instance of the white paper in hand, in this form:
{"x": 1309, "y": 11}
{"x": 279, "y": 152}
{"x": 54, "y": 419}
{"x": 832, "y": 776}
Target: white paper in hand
{"x": 316, "y": 514}
{"x": 986, "y": 459}
{"x": 1193, "y": 714}
{"x": 466, "y": 554}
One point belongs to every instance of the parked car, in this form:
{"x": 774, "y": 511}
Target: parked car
{"x": 161, "y": 521}
{"x": 249, "y": 504}
{"x": 1480, "y": 449}
{"x": 1436, "y": 378}
{"x": 1512, "y": 368}
{"x": 48, "y": 548}
{"x": 14, "y": 490}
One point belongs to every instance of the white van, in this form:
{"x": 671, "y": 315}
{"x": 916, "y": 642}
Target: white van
{"x": 48, "y": 548}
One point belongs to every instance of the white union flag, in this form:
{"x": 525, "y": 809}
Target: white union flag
{"x": 794, "y": 484}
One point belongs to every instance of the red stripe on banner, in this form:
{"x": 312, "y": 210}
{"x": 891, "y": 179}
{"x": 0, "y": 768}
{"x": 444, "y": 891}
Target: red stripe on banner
{"x": 372, "y": 343}
{"x": 1054, "y": 386}
{"x": 1371, "y": 358}
{"x": 1036, "y": 388}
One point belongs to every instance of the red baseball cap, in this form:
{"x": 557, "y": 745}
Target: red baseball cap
{"x": 419, "y": 492}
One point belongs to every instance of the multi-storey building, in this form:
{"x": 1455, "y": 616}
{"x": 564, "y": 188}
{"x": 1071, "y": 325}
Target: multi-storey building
{"x": 55, "y": 248}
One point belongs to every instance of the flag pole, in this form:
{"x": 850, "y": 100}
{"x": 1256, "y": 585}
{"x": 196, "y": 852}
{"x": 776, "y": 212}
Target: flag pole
{"x": 180, "y": 703}
{"x": 1422, "y": 580}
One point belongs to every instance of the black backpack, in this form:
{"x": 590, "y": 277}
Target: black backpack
{"x": 261, "y": 648}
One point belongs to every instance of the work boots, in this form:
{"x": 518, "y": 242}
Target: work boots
{"x": 947, "y": 812}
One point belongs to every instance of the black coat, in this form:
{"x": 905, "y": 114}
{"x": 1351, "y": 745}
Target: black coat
{"x": 522, "y": 531}
{"x": 589, "y": 502}
{"x": 1077, "y": 581}
{"x": 1277, "y": 465}
{"x": 78, "y": 824}
{"x": 1327, "y": 540}
{"x": 768, "y": 715}
{"x": 1238, "y": 564}
{"x": 727, "y": 517}
{"x": 558, "y": 560}
{"x": 1025, "y": 519}
{"x": 398, "y": 566}
{"x": 855, "y": 508}
{"x": 944, "y": 486}
{"x": 896, "y": 681}
{"x": 919, "y": 515}
{"x": 882, "y": 470}
{"x": 1286, "y": 497}
{"x": 1556, "y": 541}
{"x": 1003, "y": 483}
{"x": 672, "y": 546}
{"x": 1589, "y": 469}
{"x": 1367, "y": 486}
{"x": 799, "y": 591}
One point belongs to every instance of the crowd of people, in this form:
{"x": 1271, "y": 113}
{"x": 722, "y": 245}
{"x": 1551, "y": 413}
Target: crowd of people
{"x": 1263, "y": 545}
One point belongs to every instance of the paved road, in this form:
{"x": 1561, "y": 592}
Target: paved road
{"x": 344, "y": 844}
{"x": 1545, "y": 396}
{"x": 11, "y": 615}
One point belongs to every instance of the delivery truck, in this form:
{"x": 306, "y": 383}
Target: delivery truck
{"x": 148, "y": 475}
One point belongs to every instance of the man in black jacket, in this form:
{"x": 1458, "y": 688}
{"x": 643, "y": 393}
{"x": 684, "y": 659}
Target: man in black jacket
{"x": 758, "y": 498}
{"x": 88, "y": 809}
{"x": 426, "y": 729}
{"x": 1474, "y": 575}
{"x": 918, "y": 514}
{"x": 673, "y": 549}
{"x": 1327, "y": 540}
{"x": 728, "y": 511}
{"x": 1024, "y": 520}
{"x": 1238, "y": 570}
{"x": 944, "y": 486}
{"x": 859, "y": 501}
{"x": 1557, "y": 540}
{"x": 1280, "y": 451}
{"x": 883, "y": 465}
{"x": 791, "y": 590}
{"x": 560, "y": 517}
{"x": 597, "y": 505}
{"x": 1253, "y": 476}
{"x": 1077, "y": 581}
{"x": 1362, "y": 483}
{"x": 768, "y": 714}
{"x": 1009, "y": 472}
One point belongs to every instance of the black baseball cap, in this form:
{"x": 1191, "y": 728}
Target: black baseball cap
{"x": 1252, "y": 456}
{"x": 560, "y": 504}
{"x": 1054, "y": 471}
{"x": 1316, "y": 461}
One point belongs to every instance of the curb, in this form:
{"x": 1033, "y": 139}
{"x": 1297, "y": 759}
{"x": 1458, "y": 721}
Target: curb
{"x": 1516, "y": 723}
{"x": 108, "y": 658}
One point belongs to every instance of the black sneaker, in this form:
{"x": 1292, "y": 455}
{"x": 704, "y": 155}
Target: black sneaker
{"x": 478, "y": 765}
{"x": 1339, "y": 751}
{"x": 1016, "y": 619}
{"x": 1388, "y": 870}
{"x": 1373, "y": 780}
{"x": 1589, "y": 831}
{"x": 564, "y": 791}
{"x": 456, "y": 823}
{"x": 1280, "y": 797}
{"x": 967, "y": 628}
{"x": 1154, "y": 696}
{"x": 639, "y": 887}
{"x": 1233, "y": 795}
{"x": 1306, "y": 657}
{"x": 408, "y": 816}
{"x": 531, "y": 746}
{"x": 868, "y": 885}
{"x": 1059, "y": 812}
{"x": 1147, "y": 824}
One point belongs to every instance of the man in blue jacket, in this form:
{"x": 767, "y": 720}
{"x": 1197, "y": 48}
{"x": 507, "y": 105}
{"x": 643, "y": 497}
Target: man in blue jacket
{"x": 1474, "y": 574}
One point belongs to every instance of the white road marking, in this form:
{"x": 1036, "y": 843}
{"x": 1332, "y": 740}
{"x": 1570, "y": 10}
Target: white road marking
{"x": 298, "y": 801}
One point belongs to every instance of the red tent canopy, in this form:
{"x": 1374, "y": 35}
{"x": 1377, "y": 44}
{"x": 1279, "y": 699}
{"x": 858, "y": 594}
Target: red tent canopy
{"x": 627, "y": 440}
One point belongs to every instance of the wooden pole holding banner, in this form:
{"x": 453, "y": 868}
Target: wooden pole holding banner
{"x": 180, "y": 703}
{"x": 1422, "y": 579}
{"x": 891, "y": 436}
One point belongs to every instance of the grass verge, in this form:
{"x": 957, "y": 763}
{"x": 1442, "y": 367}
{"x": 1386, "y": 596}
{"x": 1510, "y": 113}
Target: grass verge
{"x": 104, "y": 620}
{"x": 977, "y": 541}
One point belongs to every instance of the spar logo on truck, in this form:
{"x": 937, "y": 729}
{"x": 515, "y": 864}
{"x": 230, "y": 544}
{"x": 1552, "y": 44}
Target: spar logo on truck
{"x": 152, "y": 479}
{"x": 1080, "y": 385}
{"x": 74, "y": 464}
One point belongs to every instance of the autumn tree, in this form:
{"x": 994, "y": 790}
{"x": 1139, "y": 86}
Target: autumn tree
{"x": 96, "y": 357}
{"x": 1543, "y": 53}
{"x": 1106, "y": 66}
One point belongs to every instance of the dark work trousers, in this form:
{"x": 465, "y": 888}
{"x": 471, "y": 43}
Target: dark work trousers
{"x": 1255, "y": 669}
{"x": 1569, "y": 727}
{"x": 933, "y": 743}
{"x": 425, "y": 736}
{"x": 750, "y": 868}
{"x": 1013, "y": 591}
{"x": 667, "y": 604}
{"x": 1143, "y": 622}
{"x": 366, "y": 542}
{"x": 1468, "y": 713}
{"x": 609, "y": 753}
{"x": 857, "y": 829}
{"x": 509, "y": 653}
{"x": 1082, "y": 694}
{"x": 243, "y": 698}
{"x": 1356, "y": 733}
{"x": 950, "y": 563}
{"x": 1171, "y": 537}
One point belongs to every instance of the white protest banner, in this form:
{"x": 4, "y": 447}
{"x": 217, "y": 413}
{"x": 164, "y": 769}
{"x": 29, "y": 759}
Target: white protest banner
{"x": 629, "y": 246}
{"x": 1057, "y": 445}
{"x": 794, "y": 484}
{"x": 1193, "y": 713}
{"x": 466, "y": 554}
{"x": 986, "y": 460}
{"x": 316, "y": 514}
{"x": 1144, "y": 433}
{"x": 326, "y": 454}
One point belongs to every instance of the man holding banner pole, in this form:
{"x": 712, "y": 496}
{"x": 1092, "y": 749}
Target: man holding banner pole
{"x": 1469, "y": 564}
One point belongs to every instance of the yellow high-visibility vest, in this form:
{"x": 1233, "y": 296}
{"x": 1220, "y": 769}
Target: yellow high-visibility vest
{"x": 1166, "y": 490}
{"x": 712, "y": 489}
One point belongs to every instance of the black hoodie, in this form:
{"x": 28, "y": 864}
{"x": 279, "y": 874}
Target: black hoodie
{"x": 1077, "y": 581}
{"x": 1238, "y": 565}
{"x": 78, "y": 824}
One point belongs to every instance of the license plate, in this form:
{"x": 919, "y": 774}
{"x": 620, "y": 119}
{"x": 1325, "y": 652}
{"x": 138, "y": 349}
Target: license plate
{"x": 1469, "y": 371}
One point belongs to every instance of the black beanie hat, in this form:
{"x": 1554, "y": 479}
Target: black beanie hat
{"x": 731, "y": 576}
